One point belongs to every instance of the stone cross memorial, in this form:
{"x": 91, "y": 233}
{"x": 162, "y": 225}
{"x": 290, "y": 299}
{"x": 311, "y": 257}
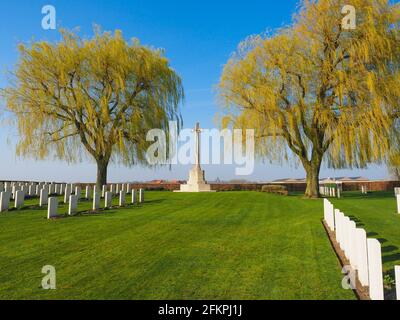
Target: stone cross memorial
{"x": 197, "y": 182}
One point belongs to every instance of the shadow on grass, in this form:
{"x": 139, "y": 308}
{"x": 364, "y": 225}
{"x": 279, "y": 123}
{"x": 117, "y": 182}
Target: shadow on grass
{"x": 107, "y": 211}
{"x": 391, "y": 258}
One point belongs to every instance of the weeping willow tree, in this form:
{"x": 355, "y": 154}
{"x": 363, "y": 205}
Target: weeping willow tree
{"x": 97, "y": 96}
{"x": 318, "y": 91}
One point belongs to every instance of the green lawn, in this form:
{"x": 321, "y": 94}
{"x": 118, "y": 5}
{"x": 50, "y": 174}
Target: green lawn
{"x": 376, "y": 213}
{"x": 231, "y": 245}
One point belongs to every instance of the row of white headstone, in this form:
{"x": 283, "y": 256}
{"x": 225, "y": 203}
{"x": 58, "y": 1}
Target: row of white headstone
{"x": 73, "y": 201}
{"x": 33, "y": 188}
{"x": 364, "y": 254}
{"x": 18, "y": 192}
{"x": 330, "y": 191}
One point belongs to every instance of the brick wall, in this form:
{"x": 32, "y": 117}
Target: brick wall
{"x": 292, "y": 187}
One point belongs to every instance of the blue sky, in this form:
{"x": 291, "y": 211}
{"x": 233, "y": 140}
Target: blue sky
{"x": 198, "y": 37}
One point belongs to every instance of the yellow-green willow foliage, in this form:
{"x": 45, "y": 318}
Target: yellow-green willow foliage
{"x": 102, "y": 94}
{"x": 318, "y": 91}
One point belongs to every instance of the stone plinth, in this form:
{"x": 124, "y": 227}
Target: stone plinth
{"x": 197, "y": 182}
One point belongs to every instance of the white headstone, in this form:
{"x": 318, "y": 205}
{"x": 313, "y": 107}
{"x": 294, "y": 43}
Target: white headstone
{"x": 362, "y": 256}
{"x": 346, "y": 240}
{"x": 331, "y": 216}
{"x": 88, "y": 192}
{"x": 133, "y": 196}
{"x": 4, "y": 201}
{"x": 62, "y": 188}
{"x": 73, "y": 204}
{"x": 396, "y": 191}
{"x": 375, "y": 269}
{"x": 19, "y": 199}
{"x": 108, "y": 200}
{"x": 337, "y": 224}
{"x": 326, "y": 204}
{"x": 52, "y": 188}
{"x": 351, "y": 229}
{"x": 31, "y": 190}
{"x": 128, "y": 188}
{"x": 67, "y": 193}
{"x": 52, "y": 208}
{"x": 14, "y": 191}
{"x": 44, "y": 195}
{"x": 122, "y": 196}
{"x": 78, "y": 191}
{"x": 141, "y": 196}
{"x": 398, "y": 204}
{"x": 96, "y": 200}
{"x": 397, "y": 276}
{"x": 103, "y": 191}
{"x": 112, "y": 189}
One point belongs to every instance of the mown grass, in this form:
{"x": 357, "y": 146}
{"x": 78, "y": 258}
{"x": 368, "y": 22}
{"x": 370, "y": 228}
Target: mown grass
{"x": 231, "y": 245}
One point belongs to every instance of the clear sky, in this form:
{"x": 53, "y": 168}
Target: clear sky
{"x": 198, "y": 37}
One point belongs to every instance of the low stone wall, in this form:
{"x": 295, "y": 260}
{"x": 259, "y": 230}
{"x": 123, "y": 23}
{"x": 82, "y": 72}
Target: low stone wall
{"x": 295, "y": 187}
{"x": 291, "y": 187}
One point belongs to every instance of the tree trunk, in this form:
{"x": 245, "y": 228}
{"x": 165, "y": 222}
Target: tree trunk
{"x": 312, "y": 170}
{"x": 102, "y": 166}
